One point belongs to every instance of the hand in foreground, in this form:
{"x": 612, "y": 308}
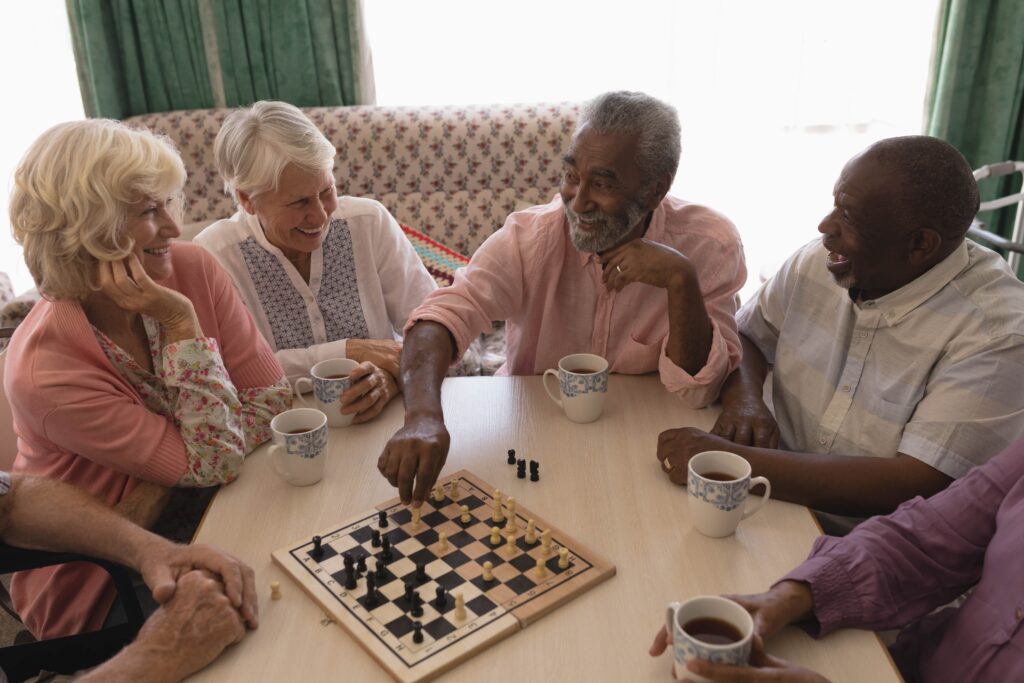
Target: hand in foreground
{"x": 164, "y": 564}
{"x": 677, "y": 446}
{"x": 645, "y": 261}
{"x": 747, "y": 423}
{"x": 384, "y": 353}
{"x": 787, "y": 602}
{"x": 180, "y": 638}
{"x": 413, "y": 458}
{"x": 130, "y": 287}
{"x": 372, "y": 389}
{"x": 763, "y": 666}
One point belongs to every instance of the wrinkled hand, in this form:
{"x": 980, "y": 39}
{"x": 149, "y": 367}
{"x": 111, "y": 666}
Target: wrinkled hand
{"x": 787, "y": 602}
{"x": 128, "y": 285}
{"x": 747, "y": 423}
{"x": 677, "y": 446}
{"x": 372, "y": 389}
{"x": 384, "y": 353}
{"x": 413, "y": 458}
{"x": 763, "y": 667}
{"x": 163, "y": 564}
{"x": 642, "y": 260}
{"x": 194, "y": 626}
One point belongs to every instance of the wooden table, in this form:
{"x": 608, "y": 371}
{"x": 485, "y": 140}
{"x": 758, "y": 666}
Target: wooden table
{"x": 600, "y": 482}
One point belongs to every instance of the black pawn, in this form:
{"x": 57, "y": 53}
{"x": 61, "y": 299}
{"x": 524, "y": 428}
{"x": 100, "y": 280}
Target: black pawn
{"x": 381, "y": 570}
{"x": 371, "y": 591}
{"x": 361, "y": 565}
{"x": 417, "y": 632}
{"x": 511, "y": 456}
{"x": 417, "y": 605}
{"x": 375, "y": 538}
{"x": 385, "y": 549}
{"x": 350, "y": 577}
{"x": 318, "y": 549}
{"x": 347, "y": 559}
{"x": 382, "y": 519}
{"x": 421, "y": 572}
{"x": 534, "y": 476}
{"x": 409, "y": 590}
{"x": 534, "y": 466}
{"x": 521, "y": 470}
{"x": 440, "y": 601}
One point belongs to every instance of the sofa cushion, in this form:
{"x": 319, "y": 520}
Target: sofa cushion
{"x": 440, "y": 261}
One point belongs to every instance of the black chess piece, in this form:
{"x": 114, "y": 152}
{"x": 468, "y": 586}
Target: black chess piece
{"x": 381, "y": 570}
{"x": 417, "y": 605}
{"x": 421, "y": 572}
{"x": 375, "y": 538}
{"x": 409, "y": 589}
{"x": 521, "y": 470}
{"x": 371, "y": 591}
{"x": 347, "y": 559}
{"x": 534, "y": 470}
{"x": 361, "y": 564}
{"x": 511, "y": 456}
{"x": 385, "y": 549}
{"x": 318, "y": 549}
{"x": 350, "y": 577}
{"x": 417, "y": 632}
{"x": 534, "y": 476}
{"x": 441, "y": 600}
{"x": 382, "y": 519}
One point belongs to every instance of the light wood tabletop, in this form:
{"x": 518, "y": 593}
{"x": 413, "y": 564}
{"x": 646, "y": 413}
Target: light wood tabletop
{"x": 600, "y": 482}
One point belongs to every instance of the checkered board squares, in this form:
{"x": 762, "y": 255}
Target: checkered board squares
{"x": 514, "y": 598}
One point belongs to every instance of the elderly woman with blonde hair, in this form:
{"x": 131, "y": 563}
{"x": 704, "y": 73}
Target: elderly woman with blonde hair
{"x": 324, "y": 276}
{"x": 141, "y": 368}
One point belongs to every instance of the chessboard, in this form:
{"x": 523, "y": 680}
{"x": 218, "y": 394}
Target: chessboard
{"x": 446, "y": 548}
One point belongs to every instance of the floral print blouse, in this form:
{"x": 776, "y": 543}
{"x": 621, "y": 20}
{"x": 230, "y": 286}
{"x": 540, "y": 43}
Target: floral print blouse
{"x": 219, "y": 424}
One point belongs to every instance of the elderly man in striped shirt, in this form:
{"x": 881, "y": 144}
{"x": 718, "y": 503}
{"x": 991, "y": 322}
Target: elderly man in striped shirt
{"x": 896, "y": 346}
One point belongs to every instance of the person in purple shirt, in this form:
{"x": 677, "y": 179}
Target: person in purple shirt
{"x": 903, "y": 570}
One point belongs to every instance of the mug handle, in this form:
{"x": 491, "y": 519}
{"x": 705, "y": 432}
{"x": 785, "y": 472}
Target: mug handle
{"x": 762, "y": 500}
{"x": 670, "y": 619}
{"x": 277, "y": 457}
{"x": 299, "y": 390}
{"x": 544, "y": 380}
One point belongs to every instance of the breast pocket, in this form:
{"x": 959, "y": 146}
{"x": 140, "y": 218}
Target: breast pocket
{"x": 638, "y": 357}
{"x": 893, "y": 411}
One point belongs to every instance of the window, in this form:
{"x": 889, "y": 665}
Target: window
{"x": 773, "y": 97}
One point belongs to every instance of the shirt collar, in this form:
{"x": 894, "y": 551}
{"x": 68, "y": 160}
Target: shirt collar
{"x": 655, "y": 232}
{"x": 897, "y": 305}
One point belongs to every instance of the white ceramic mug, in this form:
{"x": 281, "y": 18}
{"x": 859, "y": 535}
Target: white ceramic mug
{"x": 693, "y": 613}
{"x": 330, "y": 380}
{"x": 299, "y": 450}
{"x": 582, "y": 385}
{"x": 718, "y": 502}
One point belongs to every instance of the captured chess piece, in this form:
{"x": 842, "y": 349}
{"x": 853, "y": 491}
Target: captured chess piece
{"x": 534, "y": 470}
{"x": 382, "y": 519}
{"x": 521, "y": 469}
{"x": 275, "y": 590}
{"x": 318, "y": 549}
{"x": 511, "y": 456}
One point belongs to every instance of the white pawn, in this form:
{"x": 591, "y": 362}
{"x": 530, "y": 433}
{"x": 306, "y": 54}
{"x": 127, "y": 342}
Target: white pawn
{"x": 511, "y": 545}
{"x": 488, "y": 574}
{"x": 465, "y": 518}
{"x": 439, "y": 493}
{"x": 460, "y": 607}
{"x": 442, "y": 539}
{"x": 275, "y": 590}
{"x": 495, "y": 536}
{"x": 563, "y": 558}
{"x": 416, "y": 512}
{"x": 542, "y": 569}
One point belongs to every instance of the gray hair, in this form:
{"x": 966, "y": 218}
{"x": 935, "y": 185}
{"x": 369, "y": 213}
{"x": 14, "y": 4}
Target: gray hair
{"x": 254, "y": 145}
{"x": 656, "y": 123}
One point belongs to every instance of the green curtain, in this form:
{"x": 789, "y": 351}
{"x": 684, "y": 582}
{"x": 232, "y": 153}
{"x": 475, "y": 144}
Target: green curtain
{"x": 976, "y": 98}
{"x": 140, "y": 56}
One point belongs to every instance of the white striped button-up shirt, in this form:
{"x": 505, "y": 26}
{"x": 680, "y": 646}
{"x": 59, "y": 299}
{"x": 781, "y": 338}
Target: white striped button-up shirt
{"x": 934, "y": 369}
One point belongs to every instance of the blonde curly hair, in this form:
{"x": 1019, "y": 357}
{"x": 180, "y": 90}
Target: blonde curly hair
{"x": 71, "y": 195}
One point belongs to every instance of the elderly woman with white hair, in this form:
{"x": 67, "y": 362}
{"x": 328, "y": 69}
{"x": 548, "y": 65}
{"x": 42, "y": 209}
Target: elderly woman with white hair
{"x": 324, "y": 276}
{"x": 141, "y": 368}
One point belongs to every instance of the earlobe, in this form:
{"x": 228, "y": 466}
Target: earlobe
{"x": 245, "y": 200}
{"x": 658, "y": 193}
{"x": 925, "y": 243}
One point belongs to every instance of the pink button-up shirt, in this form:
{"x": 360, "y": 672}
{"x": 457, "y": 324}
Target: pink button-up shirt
{"x": 552, "y": 297}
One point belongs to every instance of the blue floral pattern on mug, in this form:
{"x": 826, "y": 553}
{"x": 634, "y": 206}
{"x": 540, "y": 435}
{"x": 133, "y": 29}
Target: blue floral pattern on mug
{"x": 308, "y": 445}
{"x": 686, "y": 648}
{"x": 724, "y": 495}
{"x": 329, "y": 390}
{"x": 573, "y": 384}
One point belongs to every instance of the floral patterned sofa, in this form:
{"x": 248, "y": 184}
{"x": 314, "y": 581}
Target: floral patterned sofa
{"x": 452, "y": 173}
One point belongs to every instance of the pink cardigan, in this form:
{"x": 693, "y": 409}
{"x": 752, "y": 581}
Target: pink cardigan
{"x": 78, "y": 420}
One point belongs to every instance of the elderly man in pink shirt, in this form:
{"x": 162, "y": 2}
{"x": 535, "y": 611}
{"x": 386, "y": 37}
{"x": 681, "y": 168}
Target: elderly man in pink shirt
{"x": 612, "y": 267}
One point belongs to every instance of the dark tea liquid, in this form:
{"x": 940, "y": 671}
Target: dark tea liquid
{"x": 335, "y": 376}
{"x": 581, "y": 371}
{"x": 718, "y": 476}
{"x": 713, "y": 631}
{"x": 299, "y": 431}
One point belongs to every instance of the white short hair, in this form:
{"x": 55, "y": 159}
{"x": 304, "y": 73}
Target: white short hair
{"x": 71, "y": 195}
{"x": 255, "y": 144}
